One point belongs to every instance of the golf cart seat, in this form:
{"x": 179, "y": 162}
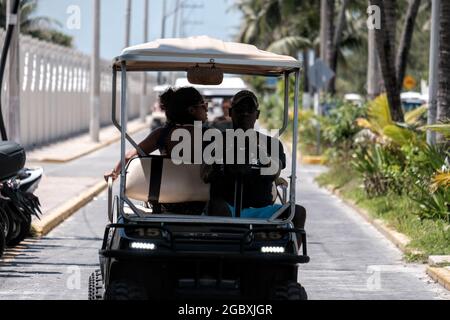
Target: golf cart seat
{"x": 155, "y": 179}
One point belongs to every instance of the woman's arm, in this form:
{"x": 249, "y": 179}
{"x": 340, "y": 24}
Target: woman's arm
{"x": 148, "y": 145}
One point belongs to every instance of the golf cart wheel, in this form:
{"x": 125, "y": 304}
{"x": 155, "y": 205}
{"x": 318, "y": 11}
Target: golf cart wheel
{"x": 125, "y": 290}
{"x": 21, "y": 231}
{"x": 290, "y": 291}
{"x": 96, "y": 286}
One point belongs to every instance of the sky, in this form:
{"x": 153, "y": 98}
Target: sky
{"x": 214, "y": 19}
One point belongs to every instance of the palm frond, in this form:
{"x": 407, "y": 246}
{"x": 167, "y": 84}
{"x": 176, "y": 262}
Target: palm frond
{"x": 412, "y": 117}
{"x": 289, "y": 44}
{"x": 440, "y": 128}
{"x": 379, "y": 113}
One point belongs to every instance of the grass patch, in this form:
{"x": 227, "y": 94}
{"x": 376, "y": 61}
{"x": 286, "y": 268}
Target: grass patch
{"x": 432, "y": 237}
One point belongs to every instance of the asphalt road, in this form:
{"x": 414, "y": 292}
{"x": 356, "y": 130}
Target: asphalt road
{"x": 349, "y": 258}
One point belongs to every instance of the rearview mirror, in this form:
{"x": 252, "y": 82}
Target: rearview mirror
{"x": 205, "y": 75}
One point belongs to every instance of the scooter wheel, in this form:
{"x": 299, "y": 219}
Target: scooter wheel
{"x": 2, "y": 239}
{"x": 21, "y": 231}
{"x": 5, "y": 224}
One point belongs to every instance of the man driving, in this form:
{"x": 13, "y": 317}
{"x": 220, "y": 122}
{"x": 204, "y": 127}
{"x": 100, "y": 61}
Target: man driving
{"x": 257, "y": 197}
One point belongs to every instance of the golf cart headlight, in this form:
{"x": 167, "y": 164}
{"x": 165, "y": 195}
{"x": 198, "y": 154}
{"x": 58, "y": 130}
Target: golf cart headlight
{"x": 142, "y": 246}
{"x": 272, "y": 249}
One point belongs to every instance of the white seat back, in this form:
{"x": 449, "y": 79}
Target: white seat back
{"x": 160, "y": 180}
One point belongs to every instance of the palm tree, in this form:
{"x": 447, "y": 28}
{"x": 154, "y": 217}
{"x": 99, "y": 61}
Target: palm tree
{"x": 443, "y": 114}
{"x": 406, "y": 39}
{"x": 267, "y": 24}
{"x": 385, "y": 43}
{"x": 36, "y": 26}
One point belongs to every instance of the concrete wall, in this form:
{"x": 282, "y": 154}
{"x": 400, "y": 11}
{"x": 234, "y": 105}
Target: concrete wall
{"x": 55, "y": 92}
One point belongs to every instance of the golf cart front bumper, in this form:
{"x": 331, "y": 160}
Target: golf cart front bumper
{"x": 184, "y": 247}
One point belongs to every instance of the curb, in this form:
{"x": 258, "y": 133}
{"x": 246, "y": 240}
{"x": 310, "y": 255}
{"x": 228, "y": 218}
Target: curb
{"x": 57, "y": 216}
{"x": 440, "y": 275}
{"x": 90, "y": 149}
{"x": 313, "y": 160}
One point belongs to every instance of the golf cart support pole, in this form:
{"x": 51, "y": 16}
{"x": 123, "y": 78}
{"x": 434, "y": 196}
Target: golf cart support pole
{"x": 123, "y": 122}
{"x": 113, "y": 116}
{"x": 294, "y": 145}
{"x": 286, "y": 105}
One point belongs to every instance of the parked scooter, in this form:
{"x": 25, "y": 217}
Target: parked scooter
{"x": 18, "y": 204}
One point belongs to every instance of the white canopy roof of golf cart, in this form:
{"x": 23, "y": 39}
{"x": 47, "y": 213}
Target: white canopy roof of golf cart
{"x": 181, "y": 54}
{"x": 228, "y": 88}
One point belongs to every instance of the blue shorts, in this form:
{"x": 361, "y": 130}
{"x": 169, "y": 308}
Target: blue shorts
{"x": 257, "y": 213}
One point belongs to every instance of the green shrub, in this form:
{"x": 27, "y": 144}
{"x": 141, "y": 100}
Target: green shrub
{"x": 340, "y": 127}
{"x": 380, "y": 168}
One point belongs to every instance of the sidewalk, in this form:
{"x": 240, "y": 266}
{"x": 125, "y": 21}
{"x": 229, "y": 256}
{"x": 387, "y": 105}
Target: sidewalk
{"x": 74, "y": 148}
{"x": 73, "y": 173}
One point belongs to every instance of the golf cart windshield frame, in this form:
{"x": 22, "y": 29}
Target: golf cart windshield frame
{"x": 122, "y": 127}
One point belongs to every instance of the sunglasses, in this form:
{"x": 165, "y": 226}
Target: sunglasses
{"x": 203, "y": 105}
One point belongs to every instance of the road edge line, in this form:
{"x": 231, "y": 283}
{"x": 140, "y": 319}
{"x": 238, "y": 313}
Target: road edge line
{"x": 61, "y": 213}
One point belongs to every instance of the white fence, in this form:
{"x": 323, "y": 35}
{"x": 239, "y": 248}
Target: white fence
{"x": 55, "y": 99}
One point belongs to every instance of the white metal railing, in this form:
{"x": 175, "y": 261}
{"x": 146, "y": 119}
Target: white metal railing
{"x": 55, "y": 98}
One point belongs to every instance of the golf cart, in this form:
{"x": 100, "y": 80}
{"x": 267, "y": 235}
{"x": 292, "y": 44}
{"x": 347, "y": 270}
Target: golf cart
{"x": 149, "y": 254}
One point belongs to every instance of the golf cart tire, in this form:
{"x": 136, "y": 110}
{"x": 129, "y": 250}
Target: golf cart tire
{"x": 290, "y": 291}
{"x": 125, "y": 290}
{"x": 22, "y": 230}
{"x": 96, "y": 286}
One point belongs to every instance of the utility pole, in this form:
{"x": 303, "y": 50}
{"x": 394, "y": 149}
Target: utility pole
{"x": 163, "y": 32}
{"x": 324, "y": 26}
{"x": 144, "y": 108}
{"x": 184, "y": 22}
{"x": 127, "y": 35}
{"x": 174, "y": 31}
{"x": 434, "y": 72}
{"x": 175, "y": 18}
{"x": 13, "y": 97}
{"x": 94, "y": 126}
{"x": 127, "y": 24}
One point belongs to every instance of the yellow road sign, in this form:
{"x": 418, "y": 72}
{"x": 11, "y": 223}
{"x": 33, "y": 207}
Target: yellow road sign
{"x": 409, "y": 83}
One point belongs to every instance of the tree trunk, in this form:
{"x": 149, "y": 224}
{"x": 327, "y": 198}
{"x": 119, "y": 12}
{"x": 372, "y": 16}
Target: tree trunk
{"x": 336, "y": 43}
{"x": 385, "y": 40}
{"x": 374, "y": 80}
{"x": 443, "y": 112}
{"x": 406, "y": 39}
{"x": 326, "y": 30}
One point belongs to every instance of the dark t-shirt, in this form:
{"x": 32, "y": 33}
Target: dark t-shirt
{"x": 257, "y": 188}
